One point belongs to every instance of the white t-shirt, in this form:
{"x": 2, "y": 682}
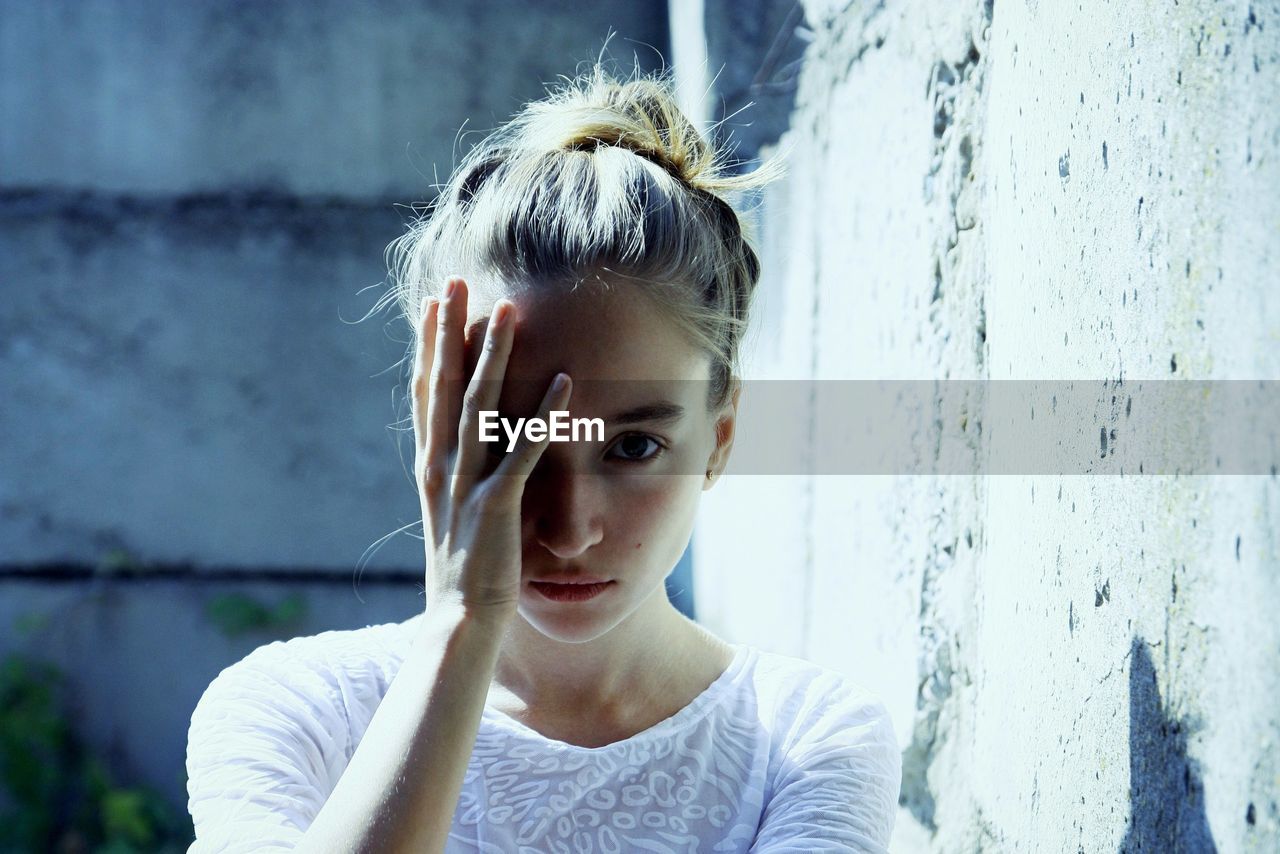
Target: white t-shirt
{"x": 777, "y": 754}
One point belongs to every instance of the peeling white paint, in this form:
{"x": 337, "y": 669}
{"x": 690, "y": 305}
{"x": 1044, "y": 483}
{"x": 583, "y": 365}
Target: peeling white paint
{"x": 1074, "y": 663}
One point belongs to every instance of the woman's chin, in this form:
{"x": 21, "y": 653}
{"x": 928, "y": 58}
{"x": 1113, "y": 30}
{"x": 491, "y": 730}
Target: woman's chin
{"x": 566, "y": 620}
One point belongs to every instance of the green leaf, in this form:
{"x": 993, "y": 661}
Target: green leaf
{"x": 124, "y": 815}
{"x": 118, "y": 560}
{"x": 30, "y": 623}
{"x": 237, "y": 614}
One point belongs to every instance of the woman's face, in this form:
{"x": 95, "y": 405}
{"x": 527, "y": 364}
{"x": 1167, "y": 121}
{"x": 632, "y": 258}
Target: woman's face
{"x": 622, "y": 508}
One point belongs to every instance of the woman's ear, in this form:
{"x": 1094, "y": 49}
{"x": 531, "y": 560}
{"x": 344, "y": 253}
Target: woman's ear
{"x": 726, "y": 422}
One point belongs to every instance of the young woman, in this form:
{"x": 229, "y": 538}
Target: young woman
{"x": 550, "y": 698}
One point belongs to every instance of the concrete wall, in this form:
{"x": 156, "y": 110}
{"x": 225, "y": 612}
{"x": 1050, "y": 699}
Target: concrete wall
{"x": 360, "y": 100}
{"x": 1030, "y": 190}
{"x": 194, "y": 202}
{"x": 184, "y": 386}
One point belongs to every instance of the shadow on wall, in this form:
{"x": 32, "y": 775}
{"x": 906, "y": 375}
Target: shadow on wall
{"x": 680, "y": 584}
{"x": 1165, "y": 790}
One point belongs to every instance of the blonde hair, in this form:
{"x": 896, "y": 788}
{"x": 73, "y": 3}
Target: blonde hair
{"x": 602, "y": 176}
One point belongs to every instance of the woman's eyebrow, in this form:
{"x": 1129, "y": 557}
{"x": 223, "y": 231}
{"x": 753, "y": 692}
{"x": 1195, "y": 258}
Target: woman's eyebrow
{"x": 661, "y": 411}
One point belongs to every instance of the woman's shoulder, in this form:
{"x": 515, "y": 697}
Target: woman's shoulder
{"x": 807, "y": 702}
{"x": 321, "y": 669}
{"x": 332, "y": 647}
{"x": 835, "y": 769}
{"x": 789, "y": 675}
{"x": 282, "y": 719}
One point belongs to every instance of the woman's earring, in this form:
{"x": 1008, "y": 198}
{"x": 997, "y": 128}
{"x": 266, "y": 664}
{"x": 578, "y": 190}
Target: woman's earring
{"x": 708, "y": 474}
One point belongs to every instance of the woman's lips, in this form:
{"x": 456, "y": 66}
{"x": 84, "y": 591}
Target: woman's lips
{"x": 569, "y": 592}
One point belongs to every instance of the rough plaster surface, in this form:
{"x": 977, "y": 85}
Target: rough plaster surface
{"x": 1074, "y": 663}
{"x": 361, "y": 100}
{"x": 185, "y": 381}
{"x": 194, "y": 204}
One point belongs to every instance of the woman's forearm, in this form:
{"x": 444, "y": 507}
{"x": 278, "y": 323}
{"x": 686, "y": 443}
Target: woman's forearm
{"x": 401, "y": 788}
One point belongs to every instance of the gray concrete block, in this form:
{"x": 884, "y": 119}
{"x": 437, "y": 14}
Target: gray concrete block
{"x": 360, "y": 100}
{"x": 185, "y": 381}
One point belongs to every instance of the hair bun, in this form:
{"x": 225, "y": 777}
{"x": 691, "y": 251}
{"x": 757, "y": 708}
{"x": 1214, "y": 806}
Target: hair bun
{"x": 646, "y": 123}
{"x": 640, "y": 115}
{"x": 555, "y": 197}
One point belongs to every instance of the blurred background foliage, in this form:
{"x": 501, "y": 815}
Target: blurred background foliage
{"x": 58, "y": 796}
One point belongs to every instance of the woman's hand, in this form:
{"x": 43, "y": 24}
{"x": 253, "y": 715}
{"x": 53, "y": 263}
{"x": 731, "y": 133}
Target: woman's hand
{"x": 471, "y": 522}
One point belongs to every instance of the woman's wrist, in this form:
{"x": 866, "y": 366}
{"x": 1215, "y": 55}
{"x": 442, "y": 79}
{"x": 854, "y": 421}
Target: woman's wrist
{"x": 455, "y": 609}
{"x": 475, "y": 627}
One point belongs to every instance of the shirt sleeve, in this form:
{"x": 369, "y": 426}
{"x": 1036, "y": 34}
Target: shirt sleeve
{"x": 265, "y": 741}
{"x": 836, "y": 788}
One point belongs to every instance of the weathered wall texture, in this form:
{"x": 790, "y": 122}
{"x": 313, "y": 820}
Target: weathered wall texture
{"x": 1030, "y": 190}
{"x": 194, "y": 203}
{"x": 362, "y": 100}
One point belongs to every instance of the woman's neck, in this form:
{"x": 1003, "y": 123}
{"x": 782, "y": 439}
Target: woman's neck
{"x": 654, "y": 658}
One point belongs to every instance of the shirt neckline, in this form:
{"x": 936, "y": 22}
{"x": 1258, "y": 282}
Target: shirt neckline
{"x": 695, "y": 710}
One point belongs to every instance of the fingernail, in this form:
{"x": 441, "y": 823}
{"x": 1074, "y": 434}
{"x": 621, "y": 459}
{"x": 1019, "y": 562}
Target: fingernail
{"x": 500, "y": 313}
{"x": 450, "y": 287}
{"x": 562, "y": 380}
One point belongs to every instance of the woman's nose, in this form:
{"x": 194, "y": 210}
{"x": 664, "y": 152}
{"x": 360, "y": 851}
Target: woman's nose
{"x": 564, "y": 510}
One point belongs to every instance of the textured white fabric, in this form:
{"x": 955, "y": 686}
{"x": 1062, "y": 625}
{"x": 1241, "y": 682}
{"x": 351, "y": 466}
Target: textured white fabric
{"x": 777, "y": 755}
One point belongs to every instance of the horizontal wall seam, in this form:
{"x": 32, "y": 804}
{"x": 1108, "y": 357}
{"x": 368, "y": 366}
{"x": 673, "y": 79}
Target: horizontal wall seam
{"x": 56, "y": 573}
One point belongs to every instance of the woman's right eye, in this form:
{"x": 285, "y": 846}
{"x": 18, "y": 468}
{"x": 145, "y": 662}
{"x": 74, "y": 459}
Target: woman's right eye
{"x": 633, "y": 446}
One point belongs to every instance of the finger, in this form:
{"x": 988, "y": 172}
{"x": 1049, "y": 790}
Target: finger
{"x": 517, "y": 466}
{"x": 422, "y": 370}
{"x": 446, "y": 379}
{"x": 483, "y": 393}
